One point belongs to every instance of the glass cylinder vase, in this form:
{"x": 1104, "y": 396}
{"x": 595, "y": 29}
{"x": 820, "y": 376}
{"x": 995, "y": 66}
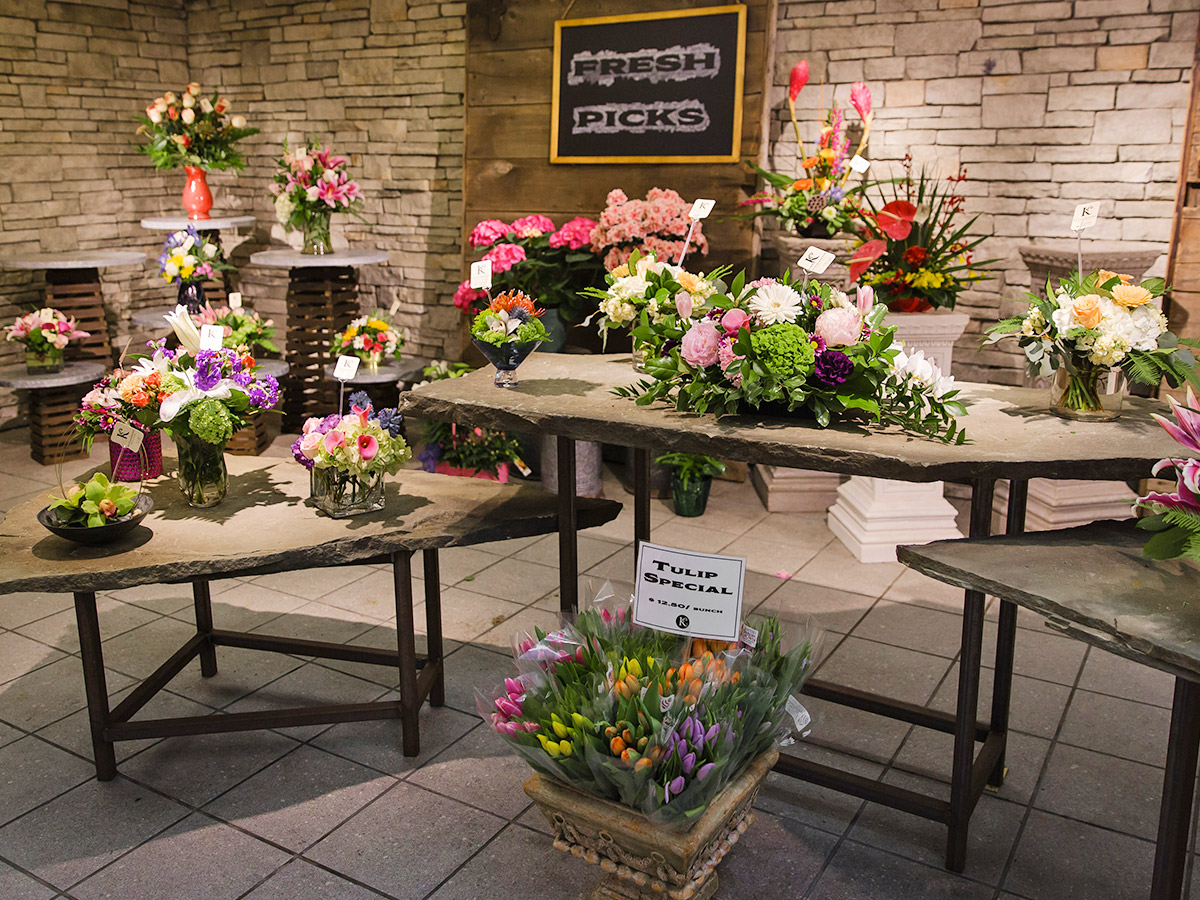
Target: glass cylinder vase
{"x": 316, "y": 235}
{"x": 46, "y": 362}
{"x": 340, "y": 494}
{"x": 201, "y": 472}
{"x": 1087, "y": 392}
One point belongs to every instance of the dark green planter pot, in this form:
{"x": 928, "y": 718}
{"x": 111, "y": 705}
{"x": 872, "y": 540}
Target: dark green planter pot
{"x": 692, "y": 499}
{"x": 556, "y": 328}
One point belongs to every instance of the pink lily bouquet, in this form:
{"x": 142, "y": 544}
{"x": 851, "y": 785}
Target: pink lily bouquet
{"x": 1175, "y": 525}
{"x": 45, "y": 333}
{"x": 310, "y": 185}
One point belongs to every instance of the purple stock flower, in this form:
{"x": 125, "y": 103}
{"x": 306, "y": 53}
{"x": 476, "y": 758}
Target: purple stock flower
{"x": 208, "y": 369}
{"x": 833, "y": 367}
{"x": 263, "y": 393}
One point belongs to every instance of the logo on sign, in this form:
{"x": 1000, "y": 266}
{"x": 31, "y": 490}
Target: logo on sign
{"x": 701, "y": 208}
{"x": 346, "y": 368}
{"x": 481, "y": 275}
{"x": 683, "y": 592}
{"x": 1085, "y": 216}
{"x": 816, "y": 260}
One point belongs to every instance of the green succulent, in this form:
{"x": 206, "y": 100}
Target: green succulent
{"x": 99, "y": 502}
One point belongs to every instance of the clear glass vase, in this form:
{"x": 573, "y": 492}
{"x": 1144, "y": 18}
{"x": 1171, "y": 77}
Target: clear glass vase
{"x": 506, "y": 357}
{"x": 1087, "y": 392}
{"x": 201, "y": 472}
{"x": 339, "y": 494}
{"x": 316, "y": 235}
{"x": 46, "y": 363}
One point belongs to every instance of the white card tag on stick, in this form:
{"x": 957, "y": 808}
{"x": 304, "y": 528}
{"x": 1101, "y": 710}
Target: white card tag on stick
{"x": 1085, "y": 216}
{"x": 858, "y": 164}
{"x": 346, "y": 368}
{"x": 395, "y": 307}
{"x": 211, "y": 337}
{"x": 125, "y": 435}
{"x": 683, "y": 592}
{"x": 235, "y": 300}
{"x": 481, "y": 275}
{"x": 701, "y": 208}
{"x": 816, "y": 260}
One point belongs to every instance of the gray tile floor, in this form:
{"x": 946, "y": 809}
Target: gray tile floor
{"x": 338, "y": 813}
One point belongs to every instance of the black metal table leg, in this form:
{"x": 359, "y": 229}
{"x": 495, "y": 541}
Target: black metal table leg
{"x": 407, "y": 647}
{"x": 95, "y": 684}
{"x": 961, "y": 796}
{"x": 641, "y": 496}
{"x": 204, "y": 627}
{"x": 433, "y": 624}
{"x": 1174, "y": 818}
{"x": 568, "y": 539}
{"x": 1006, "y": 632}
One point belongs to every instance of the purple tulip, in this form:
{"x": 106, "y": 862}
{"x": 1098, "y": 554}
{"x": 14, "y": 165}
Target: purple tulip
{"x": 688, "y": 763}
{"x": 677, "y": 785}
{"x": 704, "y": 771}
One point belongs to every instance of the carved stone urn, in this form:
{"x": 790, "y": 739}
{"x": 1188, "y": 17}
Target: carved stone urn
{"x": 641, "y": 859}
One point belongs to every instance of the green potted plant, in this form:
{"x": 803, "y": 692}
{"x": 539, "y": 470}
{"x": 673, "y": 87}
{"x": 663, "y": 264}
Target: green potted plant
{"x": 691, "y": 480}
{"x": 97, "y": 512}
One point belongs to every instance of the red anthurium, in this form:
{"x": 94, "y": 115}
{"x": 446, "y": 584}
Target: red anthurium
{"x": 896, "y": 218}
{"x": 798, "y": 80}
{"x": 864, "y": 256}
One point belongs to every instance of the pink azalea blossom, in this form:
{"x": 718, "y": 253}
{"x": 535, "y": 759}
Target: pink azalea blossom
{"x": 504, "y": 256}
{"x": 487, "y": 233}
{"x": 368, "y": 446}
{"x": 701, "y": 345}
{"x": 839, "y": 326}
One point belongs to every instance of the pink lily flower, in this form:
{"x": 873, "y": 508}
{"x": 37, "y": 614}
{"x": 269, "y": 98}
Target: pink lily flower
{"x": 1187, "y": 432}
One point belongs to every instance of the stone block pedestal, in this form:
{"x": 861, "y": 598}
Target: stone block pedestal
{"x": 1054, "y": 504}
{"x": 794, "y": 490}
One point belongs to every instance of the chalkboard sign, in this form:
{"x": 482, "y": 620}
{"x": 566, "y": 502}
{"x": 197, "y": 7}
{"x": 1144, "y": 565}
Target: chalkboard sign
{"x": 653, "y": 87}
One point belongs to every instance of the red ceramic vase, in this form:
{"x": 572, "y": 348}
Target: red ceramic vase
{"x": 909, "y": 305}
{"x": 197, "y": 198}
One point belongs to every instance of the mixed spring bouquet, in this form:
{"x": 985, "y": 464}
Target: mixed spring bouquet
{"x": 511, "y": 318}
{"x": 1095, "y": 324}
{"x": 45, "y": 331}
{"x": 362, "y": 442}
{"x": 187, "y": 258}
{"x": 370, "y": 338}
{"x": 120, "y": 395}
{"x": 191, "y": 130}
{"x": 1175, "y": 522}
{"x": 649, "y": 720}
{"x": 776, "y": 344}
{"x": 659, "y": 225}
{"x": 463, "y": 447}
{"x": 914, "y": 251}
{"x": 245, "y": 330}
{"x": 310, "y": 185}
{"x": 816, "y": 201}
{"x": 533, "y": 256}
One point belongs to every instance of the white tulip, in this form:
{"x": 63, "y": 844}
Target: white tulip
{"x": 238, "y": 121}
{"x": 208, "y": 249}
{"x": 188, "y": 101}
{"x": 154, "y": 115}
{"x": 170, "y": 269}
{"x": 187, "y": 241}
{"x": 190, "y": 260}
{"x": 311, "y": 193}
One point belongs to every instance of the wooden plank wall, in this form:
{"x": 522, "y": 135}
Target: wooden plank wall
{"x": 1183, "y": 269}
{"x": 507, "y": 172}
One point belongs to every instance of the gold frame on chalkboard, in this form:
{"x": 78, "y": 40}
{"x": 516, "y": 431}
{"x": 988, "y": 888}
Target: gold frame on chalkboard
{"x": 739, "y": 84}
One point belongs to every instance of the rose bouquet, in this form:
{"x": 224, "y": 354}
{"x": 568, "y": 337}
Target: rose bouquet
{"x": 245, "y": 330}
{"x": 1091, "y": 328}
{"x": 777, "y": 345}
{"x": 349, "y": 455}
{"x": 310, "y": 185}
{"x": 659, "y": 225}
{"x": 370, "y": 338}
{"x": 649, "y": 720}
{"x": 191, "y": 130}
{"x": 816, "y": 201}
{"x": 914, "y": 252}
{"x": 46, "y": 333}
{"x": 1175, "y": 522}
{"x": 532, "y": 256}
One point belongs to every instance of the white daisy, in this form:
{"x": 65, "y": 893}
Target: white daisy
{"x": 775, "y": 303}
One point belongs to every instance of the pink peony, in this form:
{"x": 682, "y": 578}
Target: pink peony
{"x": 839, "y": 327}
{"x": 333, "y": 440}
{"x": 368, "y": 446}
{"x": 487, "y": 233}
{"x": 735, "y": 319}
{"x": 532, "y": 226}
{"x": 701, "y": 345}
{"x": 311, "y": 443}
{"x": 465, "y": 295}
{"x": 504, "y": 256}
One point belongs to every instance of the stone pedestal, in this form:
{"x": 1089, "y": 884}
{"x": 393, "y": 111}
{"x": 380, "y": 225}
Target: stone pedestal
{"x": 871, "y": 515}
{"x": 791, "y": 247}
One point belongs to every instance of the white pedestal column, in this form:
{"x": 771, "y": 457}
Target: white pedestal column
{"x": 1065, "y": 504}
{"x": 872, "y": 515}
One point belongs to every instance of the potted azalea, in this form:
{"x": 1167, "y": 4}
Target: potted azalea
{"x": 348, "y": 455}
{"x": 658, "y": 225}
{"x": 45, "y": 333}
{"x": 311, "y": 184}
{"x": 191, "y": 130}
{"x": 188, "y": 260}
{"x": 691, "y": 480}
{"x": 506, "y": 332}
{"x": 1092, "y": 334}
{"x": 370, "y": 338}
{"x": 533, "y": 256}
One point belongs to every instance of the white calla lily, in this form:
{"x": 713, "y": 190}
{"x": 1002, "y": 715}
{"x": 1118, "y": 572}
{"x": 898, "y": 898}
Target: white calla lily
{"x": 171, "y": 406}
{"x": 185, "y": 329}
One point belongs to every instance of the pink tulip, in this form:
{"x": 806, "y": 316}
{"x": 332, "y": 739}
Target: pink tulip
{"x": 514, "y": 687}
{"x": 368, "y": 446}
{"x": 865, "y": 298}
{"x": 683, "y": 304}
{"x": 860, "y": 99}
{"x": 798, "y": 80}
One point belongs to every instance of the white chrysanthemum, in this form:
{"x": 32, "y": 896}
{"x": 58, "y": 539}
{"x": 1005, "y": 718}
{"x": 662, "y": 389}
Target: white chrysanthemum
{"x": 773, "y": 304}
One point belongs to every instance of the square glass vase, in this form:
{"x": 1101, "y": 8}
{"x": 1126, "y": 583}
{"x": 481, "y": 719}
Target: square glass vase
{"x": 340, "y": 495}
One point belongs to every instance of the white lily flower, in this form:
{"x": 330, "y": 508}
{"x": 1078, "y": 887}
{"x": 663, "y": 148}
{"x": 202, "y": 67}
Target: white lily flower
{"x": 185, "y": 329}
{"x": 172, "y": 406}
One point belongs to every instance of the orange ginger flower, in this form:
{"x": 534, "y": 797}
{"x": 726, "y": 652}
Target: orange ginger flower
{"x": 511, "y": 300}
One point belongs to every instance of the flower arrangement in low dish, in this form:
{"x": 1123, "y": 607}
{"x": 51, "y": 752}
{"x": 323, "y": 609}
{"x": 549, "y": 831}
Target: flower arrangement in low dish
{"x": 816, "y": 201}
{"x": 370, "y": 338}
{"x": 774, "y": 344}
{"x": 245, "y": 330}
{"x": 535, "y": 257}
{"x": 348, "y": 455}
{"x": 1175, "y": 523}
{"x": 1091, "y": 328}
{"x": 659, "y": 225}
{"x": 188, "y": 129}
{"x": 310, "y": 185}
{"x": 97, "y": 512}
{"x": 506, "y": 332}
{"x": 462, "y": 450}
{"x": 914, "y": 251}
{"x": 46, "y": 333}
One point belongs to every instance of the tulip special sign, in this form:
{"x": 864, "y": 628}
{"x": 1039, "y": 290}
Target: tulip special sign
{"x": 683, "y": 592}
{"x": 649, "y": 88}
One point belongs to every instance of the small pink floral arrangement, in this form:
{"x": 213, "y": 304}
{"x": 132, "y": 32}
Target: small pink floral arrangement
{"x": 659, "y": 225}
{"x": 311, "y": 184}
{"x": 532, "y": 255}
{"x": 45, "y": 330}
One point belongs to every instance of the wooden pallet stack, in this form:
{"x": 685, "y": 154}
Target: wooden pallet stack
{"x": 76, "y": 292}
{"x": 320, "y": 302}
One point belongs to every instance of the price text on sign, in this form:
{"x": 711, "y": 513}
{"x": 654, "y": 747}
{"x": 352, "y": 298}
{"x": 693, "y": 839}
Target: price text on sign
{"x": 481, "y": 275}
{"x": 684, "y": 592}
{"x": 346, "y": 368}
{"x": 701, "y": 208}
{"x": 816, "y": 260}
{"x": 211, "y": 337}
{"x": 125, "y": 435}
{"x": 1085, "y": 216}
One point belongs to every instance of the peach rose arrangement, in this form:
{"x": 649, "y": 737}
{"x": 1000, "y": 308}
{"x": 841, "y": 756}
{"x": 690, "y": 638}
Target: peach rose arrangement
{"x": 779, "y": 345}
{"x": 192, "y": 129}
{"x": 1093, "y": 325}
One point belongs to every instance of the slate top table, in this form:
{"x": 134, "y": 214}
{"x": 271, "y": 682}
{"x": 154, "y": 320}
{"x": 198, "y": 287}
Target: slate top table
{"x": 74, "y": 259}
{"x": 73, "y": 373}
{"x": 1114, "y": 599}
{"x": 1010, "y": 435}
{"x": 264, "y": 525}
{"x": 53, "y": 400}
